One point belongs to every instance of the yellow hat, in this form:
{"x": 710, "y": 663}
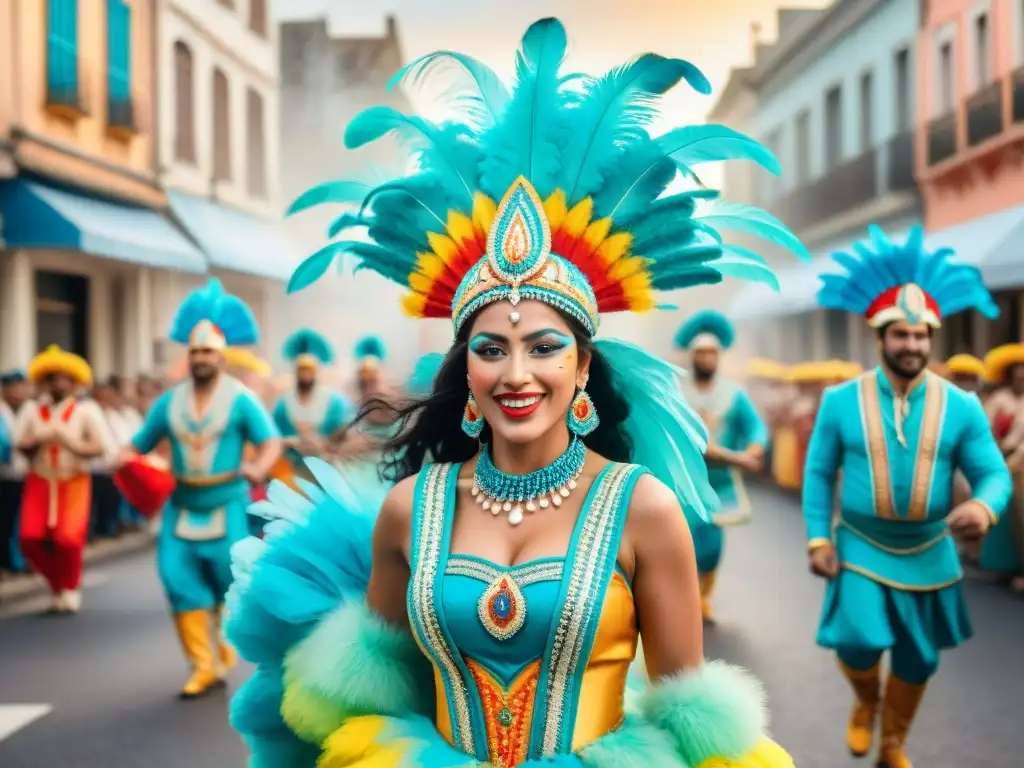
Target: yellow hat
{"x": 56, "y": 360}
{"x": 1000, "y": 359}
{"x": 965, "y": 365}
{"x": 246, "y": 359}
{"x": 769, "y": 370}
{"x": 824, "y": 371}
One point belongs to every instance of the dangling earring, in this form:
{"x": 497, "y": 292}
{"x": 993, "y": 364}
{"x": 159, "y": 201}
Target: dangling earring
{"x": 472, "y": 419}
{"x": 582, "y": 417}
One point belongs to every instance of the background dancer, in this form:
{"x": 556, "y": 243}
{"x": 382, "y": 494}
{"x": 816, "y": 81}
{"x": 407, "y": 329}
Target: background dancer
{"x": 737, "y": 438}
{"x": 898, "y": 433}
{"x": 208, "y": 419}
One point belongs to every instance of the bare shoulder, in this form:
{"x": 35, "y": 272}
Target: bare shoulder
{"x": 653, "y": 505}
{"x": 398, "y": 504}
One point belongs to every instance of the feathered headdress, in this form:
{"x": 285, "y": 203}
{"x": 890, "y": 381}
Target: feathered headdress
{"x": 706, "y": 329}
{"x": 554, "y": 190}
{"x": 56, "y": 360}
{"x": 887, "y": 282}
{"x": 306, "y": 347}
{"x": 370, "y": 352}
{"x": 421, "y": 383}
{"x": 210, "y": 318}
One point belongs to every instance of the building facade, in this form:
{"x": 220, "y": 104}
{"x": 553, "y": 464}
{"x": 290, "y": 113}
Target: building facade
{"x": 328, "y": 76}
{"x": 218, "y": 90}
{"x": 970, "y": 151}
{"x": 83, "y": 236}
{"x": 836, "y": 105}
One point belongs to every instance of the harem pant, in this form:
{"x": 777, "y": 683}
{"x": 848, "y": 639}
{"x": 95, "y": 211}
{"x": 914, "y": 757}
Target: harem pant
{"x": 55, "y": 552}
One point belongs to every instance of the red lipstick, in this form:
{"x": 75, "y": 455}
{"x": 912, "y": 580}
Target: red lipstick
{"x": 511, "y": 411}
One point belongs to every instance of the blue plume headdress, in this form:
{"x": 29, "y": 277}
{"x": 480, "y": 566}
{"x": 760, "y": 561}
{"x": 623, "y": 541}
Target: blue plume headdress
{"x": 307, "y": 344}
{"x": 421, "y": 383}
{"x": 705, "y": 328}
{"x": 887, "y": 281}
{"x": 370, "y": 348}
{"x": 553, "y": 190}
{"x": 209, "y": 316}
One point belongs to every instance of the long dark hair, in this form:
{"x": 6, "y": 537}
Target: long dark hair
{"x": 431, "y": 427}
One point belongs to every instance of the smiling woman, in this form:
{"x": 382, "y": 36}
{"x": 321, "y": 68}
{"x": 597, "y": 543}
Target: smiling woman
{"x": 536, "y": 530}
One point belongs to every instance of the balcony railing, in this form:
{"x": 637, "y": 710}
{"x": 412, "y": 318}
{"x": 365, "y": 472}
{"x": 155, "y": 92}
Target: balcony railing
{"x": 985, "y": 114}
{"x": 900, "y": 155}
{"x": 941, "y": 138}
{"x": 849, "y": 185}
{"x": 1018, "y": 95}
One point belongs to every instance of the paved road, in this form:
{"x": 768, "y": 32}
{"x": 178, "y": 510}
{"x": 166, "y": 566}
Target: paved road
{"x": 97, "y": 691}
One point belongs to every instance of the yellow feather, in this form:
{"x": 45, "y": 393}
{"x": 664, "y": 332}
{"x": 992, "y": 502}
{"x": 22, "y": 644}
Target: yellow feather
{"x": 460, "y": 227}
{"x": 596, "y": 232}
{"x": 578, "y": 218}
{"x": 615, "y": 247}
{"x": 484, "y": 211}
{"x": 623, "y": 269}
{"x": 420, "y": 283}
{"x": 767, "y": 754}
{"x": 430, "y": 264}
{"x": 443, "y": 246}
{"x": 555, "y": 209}
{"x": 412, "y": 304}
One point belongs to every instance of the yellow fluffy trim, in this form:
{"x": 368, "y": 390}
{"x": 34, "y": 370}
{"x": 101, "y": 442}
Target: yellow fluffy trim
{"x": 56, "y": 360}
{"x": 999, "y": 360}
{"x": 355, "y": 743}
{"x": 769, "y": 370}
{"x": 965, "y": 365}
{"x": 767, "y": 754}
{"x": 247, "y": 360}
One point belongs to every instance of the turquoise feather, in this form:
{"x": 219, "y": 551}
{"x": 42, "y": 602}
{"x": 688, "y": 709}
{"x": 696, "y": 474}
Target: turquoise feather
{"x": 749, "y": 220}
{"x": 306, "y": 341}
{"x": 211, "y": 302}
{"x": 706, "y": 321}
{"x": 314, "y": 267}
{"x": 421, "y": 383}
{"x": 696, "y": 144}
{"x": 336, "y": 192}
{"x": 370, "y": 346}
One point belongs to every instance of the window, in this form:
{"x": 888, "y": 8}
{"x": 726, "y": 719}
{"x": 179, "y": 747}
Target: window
{"x": 946, "y": 78}
{"x": 802, "y": 166}
{"x": 867, "y": 112}
{"x": 221, "y": 127}
{"x": 62, "y": 311}
{"x": 119, "y": 57}
{"x": 256, "y": 145}
{"x": 62, "y": 52}
{"x": 903, "y": 92}
{"x": 258, "y": 17}
{"x": 982, "y": 52}
{"x": 184, "y": 104}
{"x": 833, "y": 127}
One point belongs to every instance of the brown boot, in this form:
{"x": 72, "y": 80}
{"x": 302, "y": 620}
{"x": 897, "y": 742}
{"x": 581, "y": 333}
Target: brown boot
{"x": 707, "y": 586}
{"x": 898, "y": 709}
{"x": 226, "y": 655}
{"x": 195, "y": 632}
{"x": 860, "y": 731}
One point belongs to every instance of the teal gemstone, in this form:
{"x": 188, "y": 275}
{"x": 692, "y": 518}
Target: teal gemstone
{"x": 505, "y": 718}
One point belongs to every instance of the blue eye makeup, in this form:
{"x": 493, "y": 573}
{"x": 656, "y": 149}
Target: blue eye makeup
{"x": 485, "y": 345}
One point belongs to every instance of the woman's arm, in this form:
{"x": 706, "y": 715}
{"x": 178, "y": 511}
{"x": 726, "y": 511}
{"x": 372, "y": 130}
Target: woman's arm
{"x": 389, "y": 574}
{"x": 665, "y": 586}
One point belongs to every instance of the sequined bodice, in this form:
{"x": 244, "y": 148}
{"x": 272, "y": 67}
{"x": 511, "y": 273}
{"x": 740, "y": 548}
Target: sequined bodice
{"x": 532, "y": 660}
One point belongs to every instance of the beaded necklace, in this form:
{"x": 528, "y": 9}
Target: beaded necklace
{"x": 497, "y": 491}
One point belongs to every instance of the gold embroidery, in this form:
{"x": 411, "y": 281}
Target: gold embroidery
{"x": 927, "y": 447}
{"x": 898, "y": 584}
{"x": 878, "y": 455}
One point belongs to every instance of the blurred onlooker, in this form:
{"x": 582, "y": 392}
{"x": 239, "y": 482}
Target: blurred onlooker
{"x": 147, "y": 390}
{"x": 106, "y": 500}
{"x": 15, "y": 390}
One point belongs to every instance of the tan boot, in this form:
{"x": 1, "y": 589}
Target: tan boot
{"x": 860, "y": 731}
{"x": 707, "y": 586}
{"x": 194, "y": 630}
{"x": 226, "y": 655}
{"x": 898, "y": 709}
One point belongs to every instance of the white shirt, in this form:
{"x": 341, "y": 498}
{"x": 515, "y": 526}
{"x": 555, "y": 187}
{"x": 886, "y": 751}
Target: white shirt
{"x": 80, "y": 418}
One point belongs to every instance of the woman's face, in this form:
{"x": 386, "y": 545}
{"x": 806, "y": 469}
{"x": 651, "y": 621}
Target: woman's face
{"x": 523, "y": 374}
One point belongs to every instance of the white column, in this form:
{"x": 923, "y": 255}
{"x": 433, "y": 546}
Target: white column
{"x": 144, "y": 321}
{"x": 17, "y": 310}
{"x": 101, "y": 325}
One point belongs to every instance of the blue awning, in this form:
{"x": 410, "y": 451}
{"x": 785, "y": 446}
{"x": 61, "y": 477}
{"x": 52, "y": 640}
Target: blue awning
{"x": 798, "y": 285}
{"x": 995, "y": 243}
{"x": 36, "y": 215}
{"x": 234, "y": 240}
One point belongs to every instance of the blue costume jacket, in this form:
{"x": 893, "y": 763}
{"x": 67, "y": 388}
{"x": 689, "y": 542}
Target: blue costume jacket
{"x": 898, "y": 456}
{"x": 324, "y": 413}
{"x": 207, "y": 512}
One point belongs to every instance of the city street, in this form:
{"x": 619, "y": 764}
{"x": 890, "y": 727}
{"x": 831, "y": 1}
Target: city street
{"x": 97, "y": 690}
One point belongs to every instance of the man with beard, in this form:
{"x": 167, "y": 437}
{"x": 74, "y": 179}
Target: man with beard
{"x": 61, "y": 436}
{"x": 309, "y": 413}
{"x": 208, "y": 419}
{"x": 737, "y": 438}
{"x": 898, "y": 434}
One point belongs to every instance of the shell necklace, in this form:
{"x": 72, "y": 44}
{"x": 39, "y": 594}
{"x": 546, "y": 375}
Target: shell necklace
{"x": 515, "y": 495}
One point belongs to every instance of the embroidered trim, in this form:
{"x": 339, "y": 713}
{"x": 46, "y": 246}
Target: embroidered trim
{"x": 843, "y": 523}
{"x": 589, "y": 570}
{"x": 529, "y": 573}
{"x": 429, "y": 537}
{"x": 197, "y": 437}
{"x": 508, "y": 713}
{"x": 312, "y": 413}
{"x": 932, "y": 420}
{"x": 874, "y": 438}
{"x": 899, "y": 585}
